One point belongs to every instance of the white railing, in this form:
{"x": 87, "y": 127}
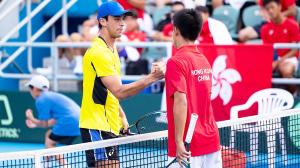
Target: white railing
{"x": 10, "y": 8}
{"x": 30, "y": 14}
{"x": 54, "y": 54}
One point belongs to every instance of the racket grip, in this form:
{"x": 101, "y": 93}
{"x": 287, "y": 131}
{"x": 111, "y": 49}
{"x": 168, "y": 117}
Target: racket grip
{"x": 187, "y": 146}
{"x": 191, "y": 128}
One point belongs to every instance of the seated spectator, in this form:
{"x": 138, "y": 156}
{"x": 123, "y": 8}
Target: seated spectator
{"x": 144, "y": 20}
{"x": 90, "y": 29}
{"x": 129, "y": 53}
{"x": 132, "y": 33}
{"x": 70, "y": 59}
{"x": 65, "y": 55}
{"x": 213, "y": 31}
{"x": 281, "y": 29}
{"x": 216, "y": 3}
{"x": 132, "y": 30}
{"x": 288, "y": 9}
{"x": 76, "y": 63}
{"x": 166, "y": 34}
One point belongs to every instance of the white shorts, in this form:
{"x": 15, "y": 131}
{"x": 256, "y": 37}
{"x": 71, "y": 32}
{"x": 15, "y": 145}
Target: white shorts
{"x": 205, "y": 161}
{"x": 293, "y": 61}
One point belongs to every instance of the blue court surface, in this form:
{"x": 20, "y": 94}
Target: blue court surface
{"x": 15, "y": 147}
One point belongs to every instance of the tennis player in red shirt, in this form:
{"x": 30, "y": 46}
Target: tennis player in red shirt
{"x": 188, "y": 90}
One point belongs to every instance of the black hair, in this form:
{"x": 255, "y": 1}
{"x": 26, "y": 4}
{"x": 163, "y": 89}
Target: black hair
{"x": 266, "y": 2}
{"x": 99, "y": 25}
{"x": 189, "y": 23}
{"x": 131, "y": 13}
{"x": 178, "y": 3}
{"x": 202, "y": 9}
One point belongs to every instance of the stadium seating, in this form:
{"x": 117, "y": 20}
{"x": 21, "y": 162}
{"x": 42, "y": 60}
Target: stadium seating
{"x": 251, "y": 16}
{"x": 159, "y": 14}
{"x": 228, "y": 15}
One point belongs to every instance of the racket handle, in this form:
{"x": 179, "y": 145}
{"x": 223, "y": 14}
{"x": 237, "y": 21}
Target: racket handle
{"x": 187, "y": 147}
{"x": 191, "y": 128}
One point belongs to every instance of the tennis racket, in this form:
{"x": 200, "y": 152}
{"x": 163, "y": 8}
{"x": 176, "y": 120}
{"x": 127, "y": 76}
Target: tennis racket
{"x": 188, "y": 139}
{"x": 154, "y": 121}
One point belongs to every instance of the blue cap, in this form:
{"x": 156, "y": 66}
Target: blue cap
{"x": 111, "y": 8}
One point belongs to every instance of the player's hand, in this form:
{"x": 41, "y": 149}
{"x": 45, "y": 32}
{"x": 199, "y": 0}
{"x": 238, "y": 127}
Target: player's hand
{"x": 30, "y": 124}
{"x": 125, "y": 126}
{"x": 158, "y": 70}
{"x": 51, "y": 122}
{"x": 181, "y": 153}
{"x": 29, "y": 114}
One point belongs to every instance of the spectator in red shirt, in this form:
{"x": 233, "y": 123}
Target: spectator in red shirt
{"x": 281, "y": 30}
{"x": 132, "y": 30}
{"x": 144, "y": 19}
{"x": 288, "y": 9}
{"x": 137, "y": 5}
{"x": 213, "y": 31}
{"x": 188, "y": 90}
{"x": 166, "y": 34}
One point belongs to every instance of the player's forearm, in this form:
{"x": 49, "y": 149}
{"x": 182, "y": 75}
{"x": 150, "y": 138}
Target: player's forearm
{"x": 40, "y": 123}
{"x": 180, "y": 114}
{"x": 138, "y": 3}
{"x": 134, "y": 87}
{"x": 291, "y": 53}
{"x": 291, "y": 11}
{"x": 122, "y": 114}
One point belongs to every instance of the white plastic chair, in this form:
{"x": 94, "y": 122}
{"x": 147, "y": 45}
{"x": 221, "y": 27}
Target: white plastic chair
{"x": 269, "y": 101}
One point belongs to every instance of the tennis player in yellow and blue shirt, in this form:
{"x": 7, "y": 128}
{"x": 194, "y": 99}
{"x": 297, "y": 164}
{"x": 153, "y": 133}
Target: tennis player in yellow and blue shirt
{"x": 101, "y": 115}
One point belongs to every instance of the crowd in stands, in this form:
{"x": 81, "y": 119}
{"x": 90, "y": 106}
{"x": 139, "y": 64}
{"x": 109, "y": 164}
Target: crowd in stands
{"x": 152, "y": 21}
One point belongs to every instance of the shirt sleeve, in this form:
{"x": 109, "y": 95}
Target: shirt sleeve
{"x": 44, "y": 109}
{"x": 288, "y": 3}
{"x": 175, "y": 78}
{"x": 103, "y": 65}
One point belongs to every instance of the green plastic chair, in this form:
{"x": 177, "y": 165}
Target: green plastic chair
{"x": 229, "y": 16}
{"x": 251, "y": 16}
{"x": 297, "y": 17}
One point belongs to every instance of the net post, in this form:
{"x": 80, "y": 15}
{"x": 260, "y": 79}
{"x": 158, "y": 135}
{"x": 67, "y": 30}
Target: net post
{"x": 37, "y": 160}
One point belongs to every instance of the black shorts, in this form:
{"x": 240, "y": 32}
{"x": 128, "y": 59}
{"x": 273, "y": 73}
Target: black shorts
{"x": 100, "y": 154}
{"x": 66, "y": 140}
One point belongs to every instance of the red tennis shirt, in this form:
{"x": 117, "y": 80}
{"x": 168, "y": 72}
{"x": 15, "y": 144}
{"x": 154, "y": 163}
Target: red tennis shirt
{"x": 189, "y": 72}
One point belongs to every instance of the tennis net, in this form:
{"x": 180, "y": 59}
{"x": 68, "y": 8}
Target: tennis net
{"x": 256, "y": 141}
